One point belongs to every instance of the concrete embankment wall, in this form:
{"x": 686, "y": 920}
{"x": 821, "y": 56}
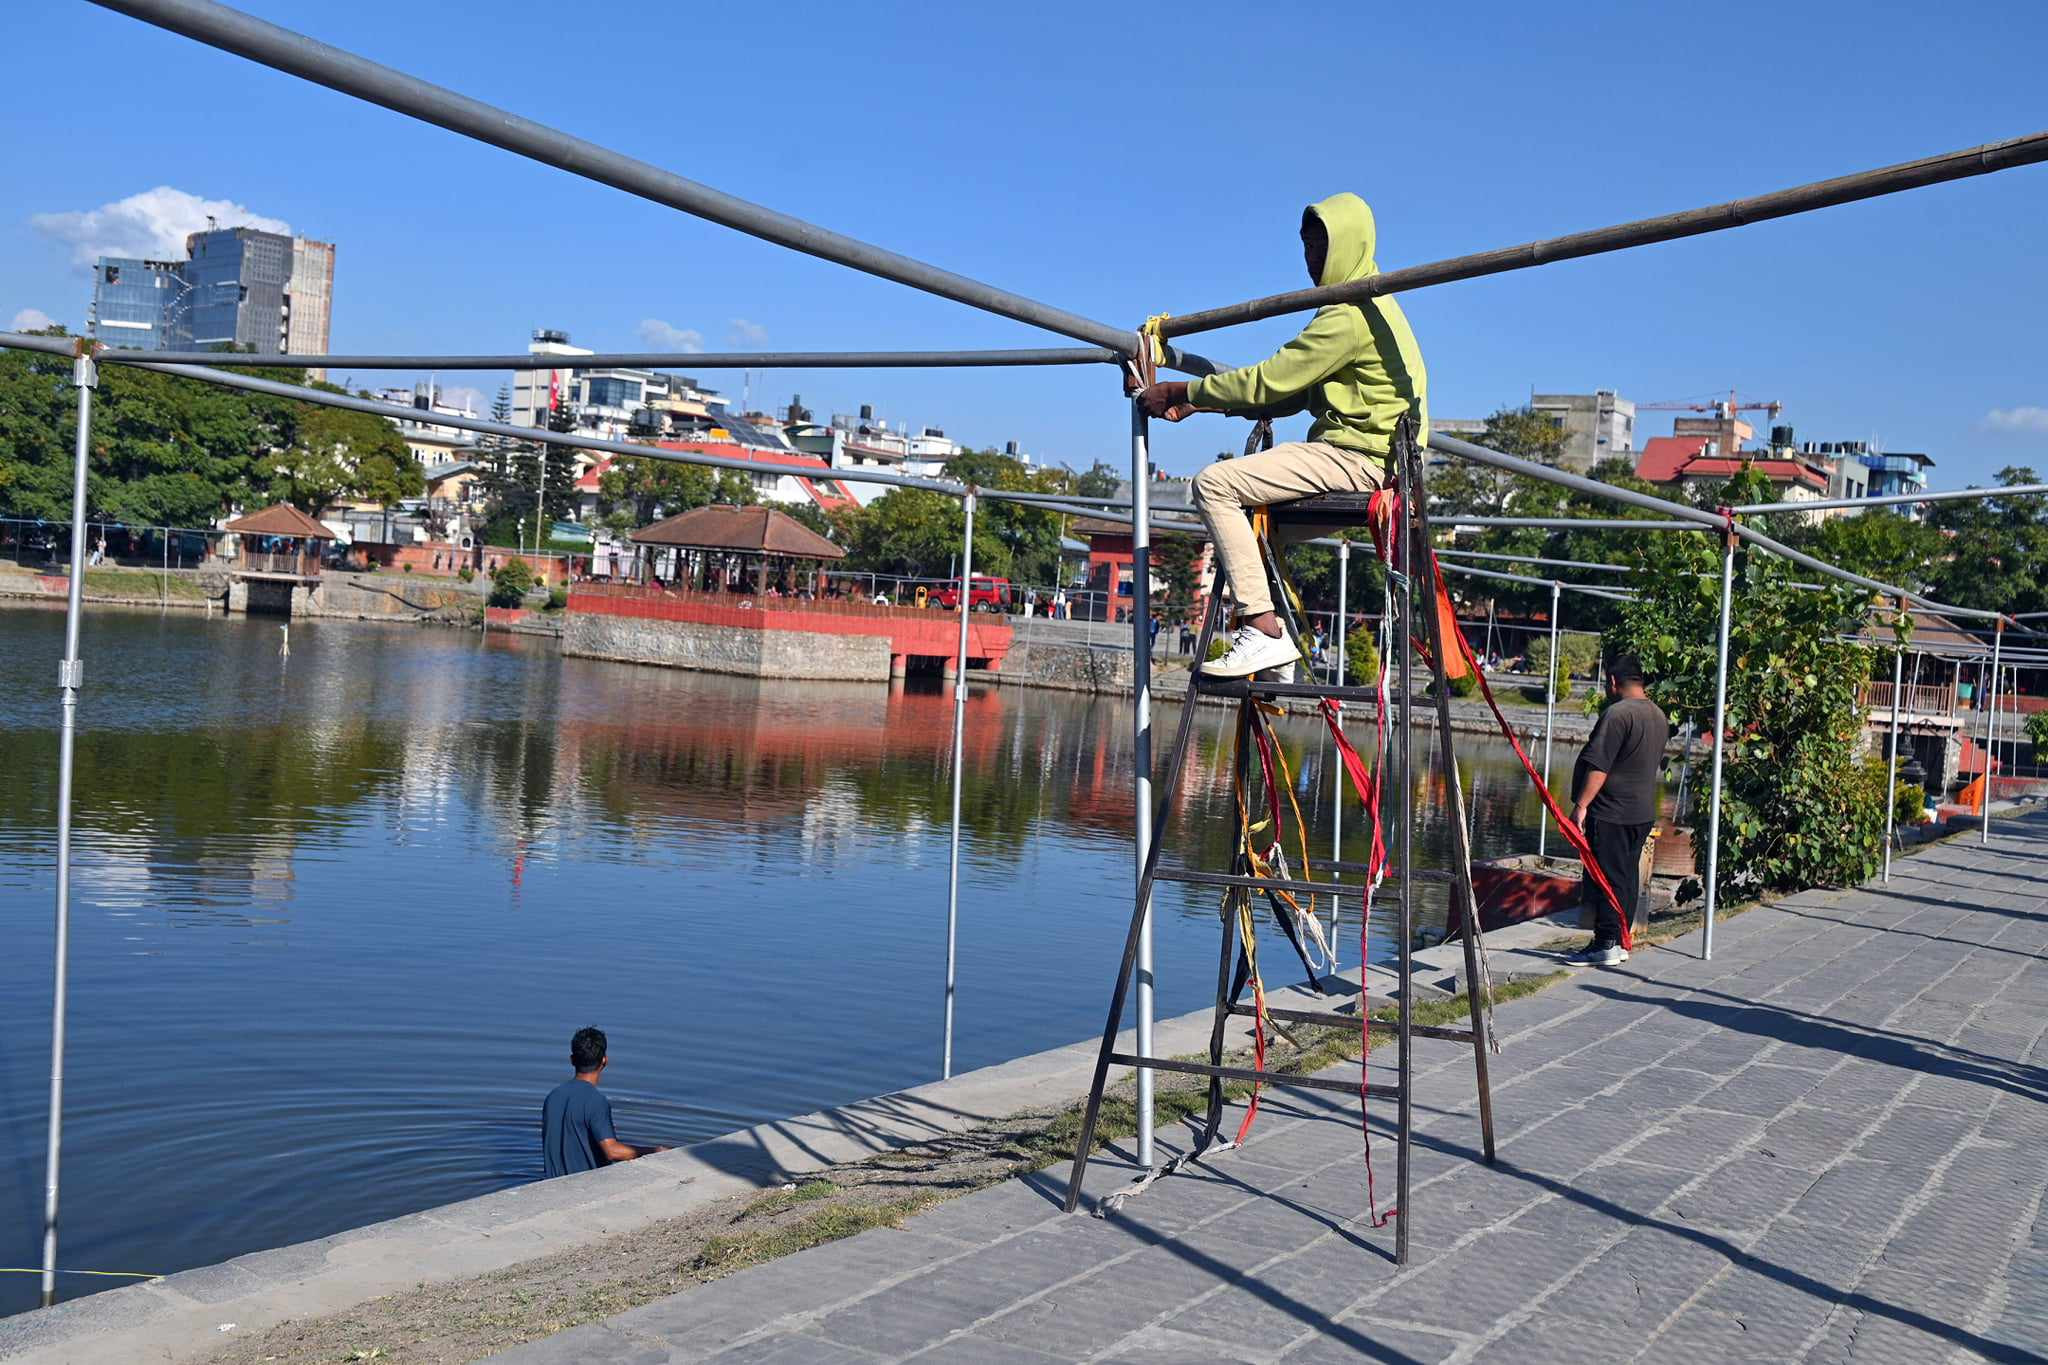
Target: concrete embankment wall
{"x": 375, "y": 597}
{"x": 1072, "y": 665}
{"x": 727, "y": 649}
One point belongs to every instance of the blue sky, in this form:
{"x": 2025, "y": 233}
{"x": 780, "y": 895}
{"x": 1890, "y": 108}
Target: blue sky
{"x": 1117, "y": 162}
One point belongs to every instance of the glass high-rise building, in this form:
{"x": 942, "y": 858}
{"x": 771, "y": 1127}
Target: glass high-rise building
{"x": 238, "y": 278}
{"x": 138, "y": 305}
{"x": 241, "y": 288}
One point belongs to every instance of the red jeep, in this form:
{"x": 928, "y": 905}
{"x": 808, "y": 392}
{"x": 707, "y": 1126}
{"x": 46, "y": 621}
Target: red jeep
{"x": 983, "y": 594}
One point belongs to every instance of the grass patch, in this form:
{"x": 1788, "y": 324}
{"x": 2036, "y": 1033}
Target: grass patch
{"x": 724, "y": 1255}
{"x": 778, "y": 1200}
{"x": 142, "y": 583}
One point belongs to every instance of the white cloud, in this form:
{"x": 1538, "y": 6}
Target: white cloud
{"x": 744, "y": 333}
{"x": 2027, "y": 419}
{"x": 31, "y": 320}
{"x": 664, "y": 336}
{"x": 152, "y": 224}
{"x": 462, "y": 396}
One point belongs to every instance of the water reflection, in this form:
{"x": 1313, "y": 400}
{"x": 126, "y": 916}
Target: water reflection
{"x": 335, "y": 920}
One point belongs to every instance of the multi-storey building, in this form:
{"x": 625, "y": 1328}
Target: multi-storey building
{"x": 138, "y": 305}
{"x": 1598, "y": 426}
{"x": 239, "y": 288}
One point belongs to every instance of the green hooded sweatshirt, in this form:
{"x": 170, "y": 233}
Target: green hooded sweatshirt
{"x": 1355, "y": 368}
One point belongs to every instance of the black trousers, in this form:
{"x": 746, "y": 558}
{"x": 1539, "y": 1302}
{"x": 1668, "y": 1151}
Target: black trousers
{"x": 1619, "y": 851}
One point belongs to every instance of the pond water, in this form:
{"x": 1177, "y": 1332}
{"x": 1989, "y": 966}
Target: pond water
{"x": 334, "y": 918}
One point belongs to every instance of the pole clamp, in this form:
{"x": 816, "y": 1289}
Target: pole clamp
{"x": 84, "y": 373}
{"x": 70, "y": 674}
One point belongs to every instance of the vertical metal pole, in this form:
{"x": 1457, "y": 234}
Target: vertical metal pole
{"x": 1991, "y": 726}
{"x": 167, "y": 569}
{"x": 70, "y": 677}
{"x": 1891, "y": 781}
{"x": 1343, "y": 615}
{"x": 1141, "y": 745}
{"x": 959, "y": 731}
{"x": 1404, "y": 811}
{"x": 1549, "y": 718}
{"x": 1720, "y": 744}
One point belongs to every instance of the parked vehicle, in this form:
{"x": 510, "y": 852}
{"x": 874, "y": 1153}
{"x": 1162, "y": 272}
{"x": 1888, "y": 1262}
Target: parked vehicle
{"x": 983, "y": 594}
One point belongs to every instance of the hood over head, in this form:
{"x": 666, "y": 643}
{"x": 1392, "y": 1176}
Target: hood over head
{"x": 1347, "y": 223}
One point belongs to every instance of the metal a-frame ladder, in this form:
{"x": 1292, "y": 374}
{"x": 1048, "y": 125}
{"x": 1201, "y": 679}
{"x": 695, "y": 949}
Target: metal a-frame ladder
{"x": 1233, "y": 968}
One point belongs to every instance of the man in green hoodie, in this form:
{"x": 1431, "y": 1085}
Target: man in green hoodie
{"x": 1355, "y": 369}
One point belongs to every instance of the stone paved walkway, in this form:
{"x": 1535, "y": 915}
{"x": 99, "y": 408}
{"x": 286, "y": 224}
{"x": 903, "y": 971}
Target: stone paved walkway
{"x": 1827, "y": 1144}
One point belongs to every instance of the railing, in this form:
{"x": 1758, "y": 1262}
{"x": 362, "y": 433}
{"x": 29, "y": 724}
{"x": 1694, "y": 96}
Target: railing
{"x": 255, "y": 561}
{"x": 1915, "y": 699}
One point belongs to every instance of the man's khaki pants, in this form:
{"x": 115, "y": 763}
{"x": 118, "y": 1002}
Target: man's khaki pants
{"x": 1298, "y": 469}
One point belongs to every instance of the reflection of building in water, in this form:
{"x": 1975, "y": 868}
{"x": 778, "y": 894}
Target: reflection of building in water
{"x": 770, "y": 756}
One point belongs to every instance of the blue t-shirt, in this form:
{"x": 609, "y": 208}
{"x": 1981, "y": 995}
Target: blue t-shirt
{"x": 574, "y": 1119}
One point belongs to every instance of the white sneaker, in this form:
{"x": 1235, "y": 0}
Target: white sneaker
{"x": 1251, "y": 650}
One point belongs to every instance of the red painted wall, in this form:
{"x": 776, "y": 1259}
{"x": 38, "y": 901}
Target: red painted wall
{"x": 911, "y": 631}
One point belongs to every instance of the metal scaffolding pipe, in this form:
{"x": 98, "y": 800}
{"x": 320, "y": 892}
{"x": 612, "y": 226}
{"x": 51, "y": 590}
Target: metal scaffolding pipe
{"x": 1890, "y": 499}
{"x": 959, "y": 732}
{"x": 1990, "y": 729}
{"x": 1907, "y": 175}
{"x": 298, "y": 55}
{"x": 1783, "y": 551}
{"x": 70, "y": 679}
{"x": 1536, "y": 559}
{"x": 485, "y": 426}
{"x": 1458, "y": 523}
{"x": 1337, "y": 805}
{"x": 1141, "y": 748}
{"x": 1578, "y": 483}
{"x": 1891, "y": 781}
{"x": 1549, "y": 715}
{"x": 1619, "y": 594}
{"x": 641, "y": 360}
{"x": 1720, "y": 744}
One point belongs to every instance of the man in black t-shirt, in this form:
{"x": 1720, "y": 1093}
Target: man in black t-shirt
{"x": 1614, "y": 799}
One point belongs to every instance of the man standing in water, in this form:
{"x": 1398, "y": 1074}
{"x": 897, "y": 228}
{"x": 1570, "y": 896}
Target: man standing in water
{"x": 576, "y": 1122}
{"x": 1614, "y": 799}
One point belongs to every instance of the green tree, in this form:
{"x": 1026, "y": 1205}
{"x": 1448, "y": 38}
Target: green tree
{"x": 510, "y": 582}
{"x": 1995, "y": 549}
{"x": 916, "y": 532}
{"x": 1798, "y": 808}
{"x": 1483, "y": 491}
{"x": 1878, "y": 544}
{"x": 1100, "y": 480}
{"x": 327, "y": 454}
{"x": 1030, "y": 535}
{"x": 1175, "y": 558}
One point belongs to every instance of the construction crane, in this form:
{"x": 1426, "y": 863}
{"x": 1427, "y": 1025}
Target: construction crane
{"x": 1722, "y": 407}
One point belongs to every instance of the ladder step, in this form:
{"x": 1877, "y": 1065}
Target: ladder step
{"x": 1325, "y": 509}
{"x": 1251, "y": 687}
{"x": 1245, "y": 1073}
{"x": 1295, "y": 885}
{"x": 1290, "y": 884}
{"x": 1330, "y": 1020}
{"x": 1392, "y": 872}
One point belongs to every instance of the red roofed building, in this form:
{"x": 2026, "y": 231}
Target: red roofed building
{"x": 1683, "y": 463}
{"x": 784, "y": 476}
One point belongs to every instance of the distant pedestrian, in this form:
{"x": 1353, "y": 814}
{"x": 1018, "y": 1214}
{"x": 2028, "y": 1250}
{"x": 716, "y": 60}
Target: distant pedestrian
{"x": 1614, "y": 799}
{"x": 576, "y": 1131}
{"x": 1187, "y": 635}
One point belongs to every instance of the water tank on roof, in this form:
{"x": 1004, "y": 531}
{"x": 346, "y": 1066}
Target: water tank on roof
{"x": 867, "y": 412}
{"x": 1781, "y": 438}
